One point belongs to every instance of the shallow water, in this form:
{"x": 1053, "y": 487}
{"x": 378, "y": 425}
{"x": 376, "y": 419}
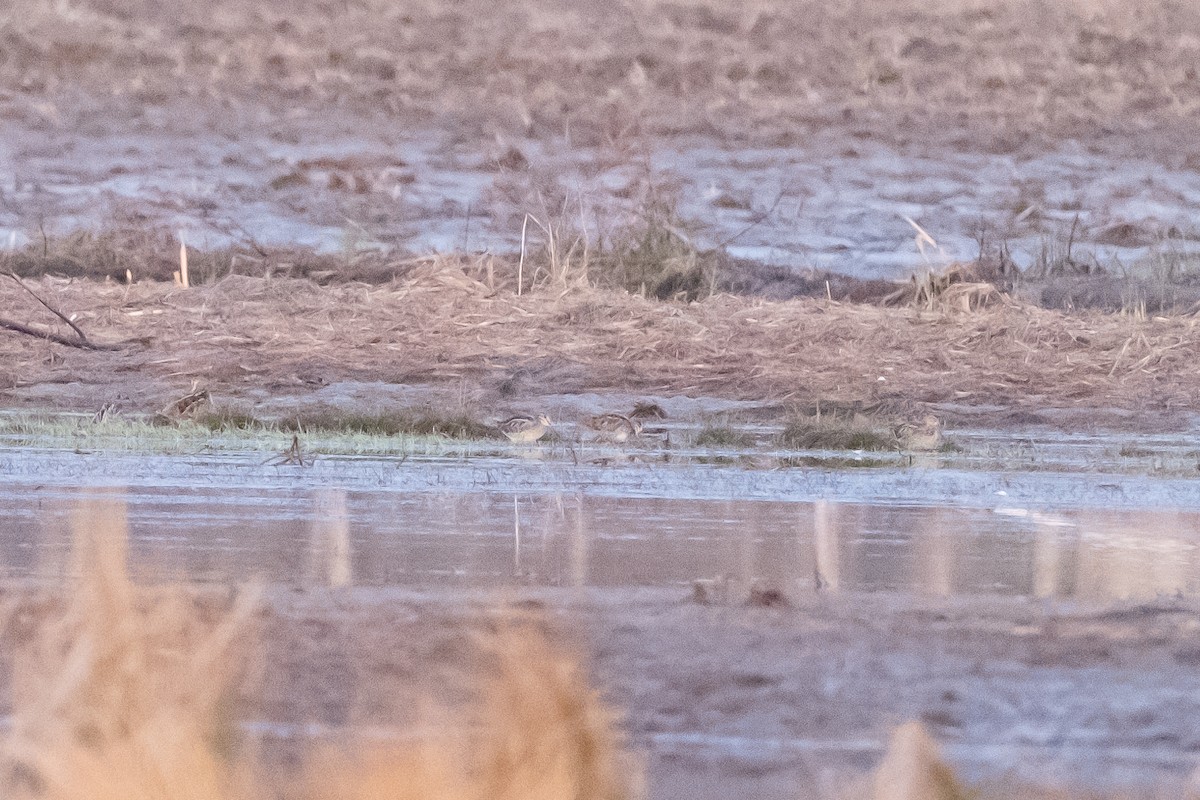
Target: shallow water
{"x": 503, "y": 520}
{"x": 820, "y": 204}
{"x": 530, "y": 516}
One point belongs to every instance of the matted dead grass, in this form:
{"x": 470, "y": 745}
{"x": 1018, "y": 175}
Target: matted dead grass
{"x": 445, "y": 328}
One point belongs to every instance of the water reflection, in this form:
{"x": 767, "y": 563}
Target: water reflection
{"x": 329, "y": 546}
{"x": 339, "y": 538}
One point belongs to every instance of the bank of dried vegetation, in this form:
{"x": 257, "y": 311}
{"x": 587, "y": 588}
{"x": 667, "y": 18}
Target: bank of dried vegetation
{"x": 445, "y": 325}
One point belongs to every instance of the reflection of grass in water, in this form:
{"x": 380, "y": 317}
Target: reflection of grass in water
{"x": 128, "y": 693}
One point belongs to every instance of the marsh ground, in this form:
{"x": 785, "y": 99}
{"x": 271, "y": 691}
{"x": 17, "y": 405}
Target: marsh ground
{"x": 798, "y": 135}
{"x": 443, "y": 342}
{"x": 296, "y": 137}
{"x": 314, "y": 153}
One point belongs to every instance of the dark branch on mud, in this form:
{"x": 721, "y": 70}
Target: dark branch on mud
{"x": 81, "y": 341}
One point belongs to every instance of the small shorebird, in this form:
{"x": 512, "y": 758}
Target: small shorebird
{"x": 525, "y": 429}
{"x": 927, "y": 435}
{"x": 184, "y": 408}
{"x": 644, "y": 410}
{"x": 614, "y": 427}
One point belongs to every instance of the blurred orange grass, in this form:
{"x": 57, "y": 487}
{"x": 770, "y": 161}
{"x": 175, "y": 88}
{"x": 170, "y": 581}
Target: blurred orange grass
{"x": 127, "y": 692}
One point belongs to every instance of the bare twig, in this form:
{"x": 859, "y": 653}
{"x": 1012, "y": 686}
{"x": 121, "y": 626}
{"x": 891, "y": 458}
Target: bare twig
{"x": 760, "y": 218}
{"x": 82, "y": 342}
{"x": 292, "y": 455}
{"x": 17, "y": 327}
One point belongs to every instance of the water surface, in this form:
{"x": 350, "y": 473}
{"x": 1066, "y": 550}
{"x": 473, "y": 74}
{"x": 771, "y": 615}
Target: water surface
{"x": 498, "y": 521}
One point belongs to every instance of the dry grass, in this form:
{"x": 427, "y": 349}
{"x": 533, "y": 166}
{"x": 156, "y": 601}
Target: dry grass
{"x": 536, "y": 731}
{"x": 128, "y": 692}
{"x": 447, "y": 328}
{"x": 952, "y": 289}
{"x": 125, "y": 251}
{"x": 913, "y": 769}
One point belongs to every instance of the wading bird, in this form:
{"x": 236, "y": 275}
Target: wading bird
{"x": 525, "y": 429}
{"x": 614, "y": 427}
{"x": 926, "y": 435}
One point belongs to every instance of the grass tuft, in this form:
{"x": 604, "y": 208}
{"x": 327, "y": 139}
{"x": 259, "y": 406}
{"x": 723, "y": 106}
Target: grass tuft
{"x": 723, "y": 436}
{"x": 655, "y": 257}
{"x": 812, "y": 433}
{"x": 398, "y": 423}
{"x": 222, "y": 420}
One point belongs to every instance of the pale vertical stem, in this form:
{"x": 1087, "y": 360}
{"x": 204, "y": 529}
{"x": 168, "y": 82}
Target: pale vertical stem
{"x": 183, "y": 262}
{"x": 330, "y": 542}
{"x": 521, "y": 263}
{"x": 580, "y": 548}
{"x": 937, "y": 553}
{"x": 516, "y": 537}
{"x": 1046, "y": 560}
{"x": 825, "y": 541}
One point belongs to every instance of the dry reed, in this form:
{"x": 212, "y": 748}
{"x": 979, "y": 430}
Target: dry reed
{"x": 445, "y": 327}
{"x": 913, "y": 769}
{"x": 534, "y": 730}
{"x": 129, "y": 692}
{"x": 124, "y": 693}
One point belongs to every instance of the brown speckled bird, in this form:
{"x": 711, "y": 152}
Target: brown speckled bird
{"x": 524, "y": 429}
{"x": 645, "y": 410}
{"x": 926, "y": 435}
{"x": 614, "y": 427}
